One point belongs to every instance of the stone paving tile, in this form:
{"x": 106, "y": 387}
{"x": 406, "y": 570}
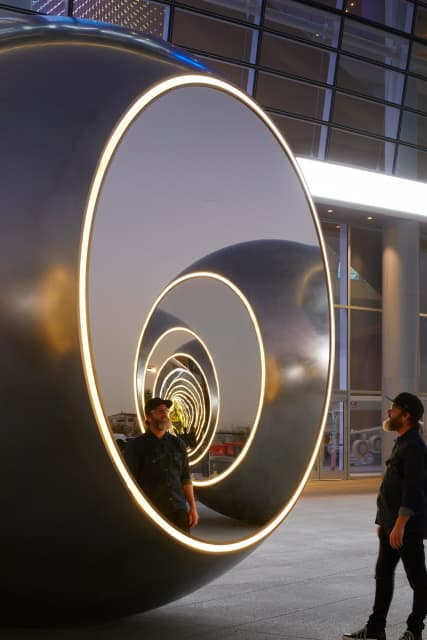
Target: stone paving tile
{"x": 311, "y": 580}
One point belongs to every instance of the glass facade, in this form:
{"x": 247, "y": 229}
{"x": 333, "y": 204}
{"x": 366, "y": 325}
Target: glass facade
{"x": 345, "y": 81}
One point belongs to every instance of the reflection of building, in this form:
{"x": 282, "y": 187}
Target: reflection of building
{"x": 346, "y": 83}
{"x": 124, "y": 423}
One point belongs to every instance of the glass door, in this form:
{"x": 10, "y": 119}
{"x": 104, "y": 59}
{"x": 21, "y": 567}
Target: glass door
{"x": 365, "y": 435}
{"x": 330, "y": 462}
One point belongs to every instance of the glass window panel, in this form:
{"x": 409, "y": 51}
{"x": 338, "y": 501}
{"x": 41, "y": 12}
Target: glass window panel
{"x": 213, "y": 36}
{"x": 50, "y": 7}
{"x": 360, "y": 151}
{"x": 335, "y": 236}
{"x": 334, "y": 4}
{"x": 366, "y": 268}
{"x": 365, "y": 350}
{"x": 20, "y": 4}
{"x": 375, "y": 44}
{"x": 248, "y": 10}
{"x": 302, "y": 21}
{"x": 369, "y": 79}
{"x": 418, "y": 62}
{"x": 363, "y": 114}
{"x": 304, "y": 138}
{"x": 416, "y": 94}
{"x": 414, "y": 129}
{"x": 421, "y": 23}
{"x": 340, "y": 370}
{"x": 366, "y": 434}
{"x": 333, "y": 450}
{"x": 411, "y": 163}
{"x": 297, "y": 58}
{"x": 423, "y": 274}
{"x": 290, "y": 95}
{"x": 231, "y": 72}
{"x": 393, "y": 13}
{"x": 148, "y": 17}
{"x": 423, "y": 354}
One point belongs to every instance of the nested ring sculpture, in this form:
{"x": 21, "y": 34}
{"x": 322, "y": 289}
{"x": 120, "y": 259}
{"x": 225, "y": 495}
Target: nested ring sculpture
{"x": 157, "y": 235}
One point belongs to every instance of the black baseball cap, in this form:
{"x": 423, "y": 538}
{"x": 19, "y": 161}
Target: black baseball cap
{"x": 153, "y": 403}
{"x": 410, "y": 403}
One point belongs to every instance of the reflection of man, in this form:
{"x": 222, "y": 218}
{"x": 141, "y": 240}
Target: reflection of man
{"x": 402, "y": 520}
{"x": 158, "y": 459}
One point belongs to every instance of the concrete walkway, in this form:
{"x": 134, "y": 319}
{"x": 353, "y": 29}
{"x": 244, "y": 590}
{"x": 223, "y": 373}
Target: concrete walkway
{"x": 311, "y": 580}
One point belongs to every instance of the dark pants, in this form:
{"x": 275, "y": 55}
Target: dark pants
{"x": 412, "y": 554}
{"x": 180, "y": 520}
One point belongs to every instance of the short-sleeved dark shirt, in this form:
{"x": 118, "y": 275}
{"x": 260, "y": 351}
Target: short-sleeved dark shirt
{"x": 404, "y": 486}
{"x": 160, "y": 466}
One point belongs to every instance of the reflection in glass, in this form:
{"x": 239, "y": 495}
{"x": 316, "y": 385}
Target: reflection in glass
{"x": 333, "y": 444}
{"x": 302, "y": 21}
{"x": 290, "y": 95}
{"x": 392, "y": 13}
{"x": 365, "y": 350}
{"x": 366, "y": 268}
{"x": 247, "y": 10}
{"x": 212, "y": 36}
{"x": 365, "y": 115}
{"x": 416, "y": 94}
{"x": 423, "y": 354}
{"x": 420, "y": 29}
{"x": 369, "y": 79}
{"x": 340, "y": 371}
{"x": 240, "y": 76}
{"x": 336, "y": 247}
{"x": 366, "y": 435}
{"x": 360, "y": 151}
{"x": 423, "y": 273}
{"x": 411, "y": 163}
{"x": 418, "y": 61}
{"x": 414, "y": 129}
{"x": 297, "y": 58}
{"x": 375, "y": 44}
{"x": 304, "y": 138}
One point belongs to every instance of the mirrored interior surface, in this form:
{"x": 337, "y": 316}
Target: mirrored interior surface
{"x": 214, "y": 380}
{"x": 197, "y": 171}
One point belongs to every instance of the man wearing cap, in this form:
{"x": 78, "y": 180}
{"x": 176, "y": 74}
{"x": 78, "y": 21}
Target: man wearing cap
{"x": 401, "y": 521}
{"x": 158, "y": 460}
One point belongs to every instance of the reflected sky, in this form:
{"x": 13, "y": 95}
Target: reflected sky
{"x": 196, "y": 172}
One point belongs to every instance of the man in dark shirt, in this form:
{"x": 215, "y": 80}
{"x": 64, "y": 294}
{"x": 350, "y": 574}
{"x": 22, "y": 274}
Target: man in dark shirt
{"x": 158, "y": 460}
{"x": 401, "y": 521}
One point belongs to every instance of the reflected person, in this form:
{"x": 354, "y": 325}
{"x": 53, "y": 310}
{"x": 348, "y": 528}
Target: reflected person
{"x": 158, "y": 460}
{"x": 401, "y": 521}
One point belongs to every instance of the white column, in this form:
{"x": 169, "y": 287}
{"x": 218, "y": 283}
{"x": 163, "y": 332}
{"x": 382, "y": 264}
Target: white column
{"x": 400, "y": 313}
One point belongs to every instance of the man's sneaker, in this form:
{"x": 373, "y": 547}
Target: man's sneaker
{"x": 365, "y": 634}
{"x": 410, "y": 635}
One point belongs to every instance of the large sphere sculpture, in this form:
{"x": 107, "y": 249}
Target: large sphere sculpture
{"x": 157, "y": 236}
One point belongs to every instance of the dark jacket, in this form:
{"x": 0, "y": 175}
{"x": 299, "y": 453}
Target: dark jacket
{"x": 404, "y": 487}
{"x": 160, "y": 466}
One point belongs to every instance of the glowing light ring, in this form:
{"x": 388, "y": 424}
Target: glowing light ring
{"x": 140, "y": 384}
{"x": 139, "y": 388}
{"x": 88, "y": 366}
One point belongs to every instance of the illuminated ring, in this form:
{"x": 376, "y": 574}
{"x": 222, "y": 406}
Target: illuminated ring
{"x": 55, "y": 188}
{"x": 146, "y": 348}
{"x": 198, "y": 351}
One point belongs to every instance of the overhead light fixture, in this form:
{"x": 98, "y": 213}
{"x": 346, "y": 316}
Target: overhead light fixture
{"x": 364, "y": 189}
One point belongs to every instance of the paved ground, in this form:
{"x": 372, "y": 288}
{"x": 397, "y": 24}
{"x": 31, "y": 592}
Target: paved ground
{"x": 311, "y": 580}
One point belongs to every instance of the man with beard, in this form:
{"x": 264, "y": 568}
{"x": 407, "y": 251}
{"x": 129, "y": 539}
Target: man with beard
{"x": 158, "y": 460}
{"x": 401, "y": 521}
